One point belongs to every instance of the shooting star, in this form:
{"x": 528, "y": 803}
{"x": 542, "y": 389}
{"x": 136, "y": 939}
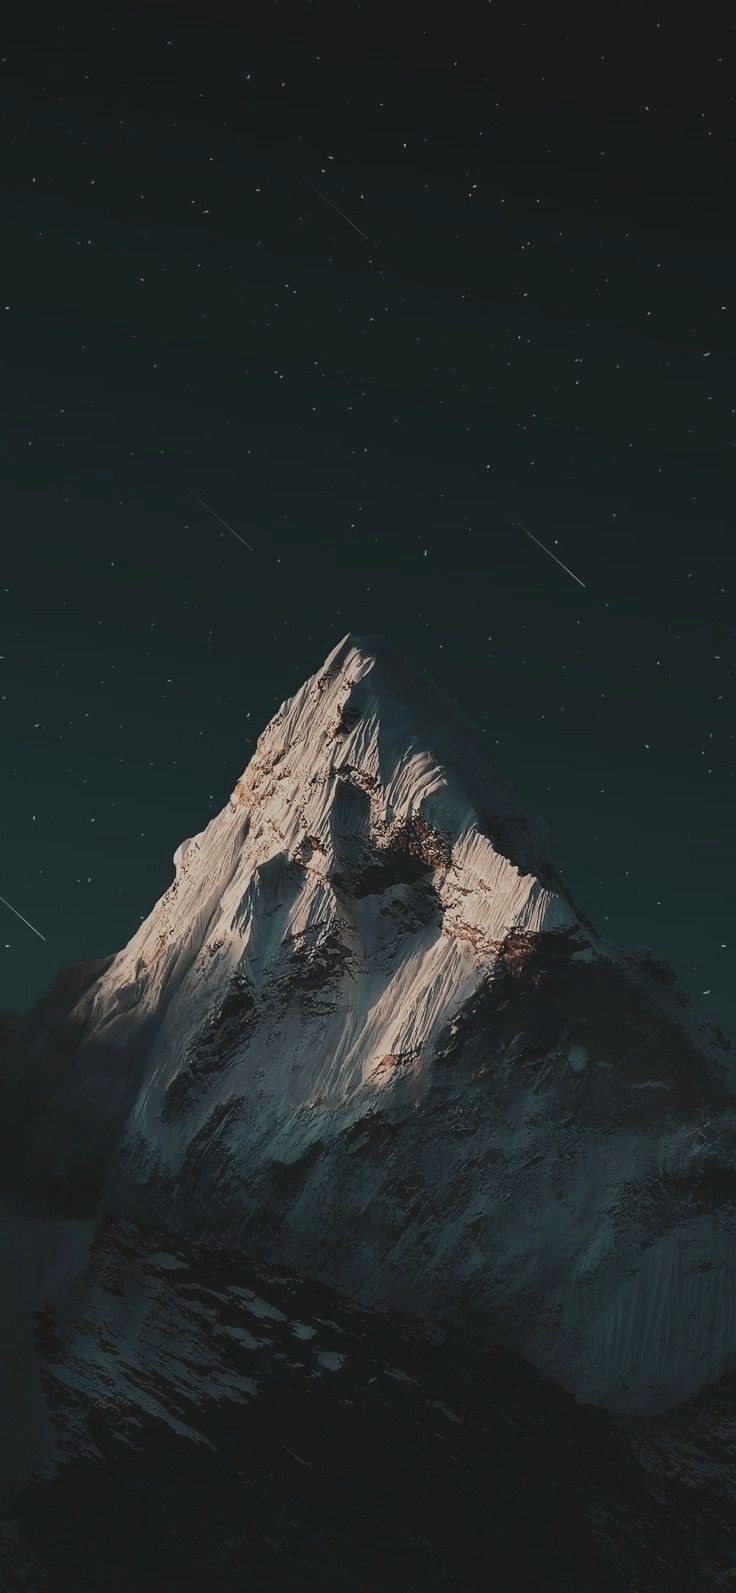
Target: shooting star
{"x": 547, "y": 550}
{"x": 333, "y": 206}
{"x": 22, "y": 919}
{"x": 217, "y": 516}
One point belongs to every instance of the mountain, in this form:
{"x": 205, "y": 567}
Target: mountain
{"x": 222, "y": 1424}
{"x": 367, "y": 1034}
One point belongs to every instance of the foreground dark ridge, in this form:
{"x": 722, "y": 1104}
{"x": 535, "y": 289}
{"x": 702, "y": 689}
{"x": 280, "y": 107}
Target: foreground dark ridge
{"x": 221, "y": 1424}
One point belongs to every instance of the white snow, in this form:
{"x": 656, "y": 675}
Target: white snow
{"x": 330, "y": 1359}
{"x": 257, "y": 1306}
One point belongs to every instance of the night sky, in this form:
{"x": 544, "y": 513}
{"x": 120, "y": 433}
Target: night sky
{"x": 527, "y": 309}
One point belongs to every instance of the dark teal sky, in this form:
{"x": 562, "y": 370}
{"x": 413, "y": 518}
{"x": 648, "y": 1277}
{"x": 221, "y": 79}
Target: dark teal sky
{"x": 539, "y": 324}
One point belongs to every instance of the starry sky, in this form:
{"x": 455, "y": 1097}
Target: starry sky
{"x": 375, "y": 291}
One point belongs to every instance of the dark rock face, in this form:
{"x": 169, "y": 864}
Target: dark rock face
{"x": 37, "y": 1256}
{"x": 221, "y": 1424}
{"x": 65, "y": 1098}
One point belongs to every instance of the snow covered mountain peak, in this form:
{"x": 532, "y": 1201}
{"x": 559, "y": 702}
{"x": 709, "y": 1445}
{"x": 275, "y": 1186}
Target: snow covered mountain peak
{"x": 366, "y": 825}
{"x": 367, "y": 1034}
{"x": 367, "y": 719}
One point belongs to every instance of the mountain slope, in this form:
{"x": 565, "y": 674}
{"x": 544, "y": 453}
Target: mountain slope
{"x": 367, "y": 1032}
{"x": 224, "y": 1424}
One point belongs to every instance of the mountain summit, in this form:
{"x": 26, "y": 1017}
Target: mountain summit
{"x": 367, "y": 1033}
{"x": 366, "y": 870}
